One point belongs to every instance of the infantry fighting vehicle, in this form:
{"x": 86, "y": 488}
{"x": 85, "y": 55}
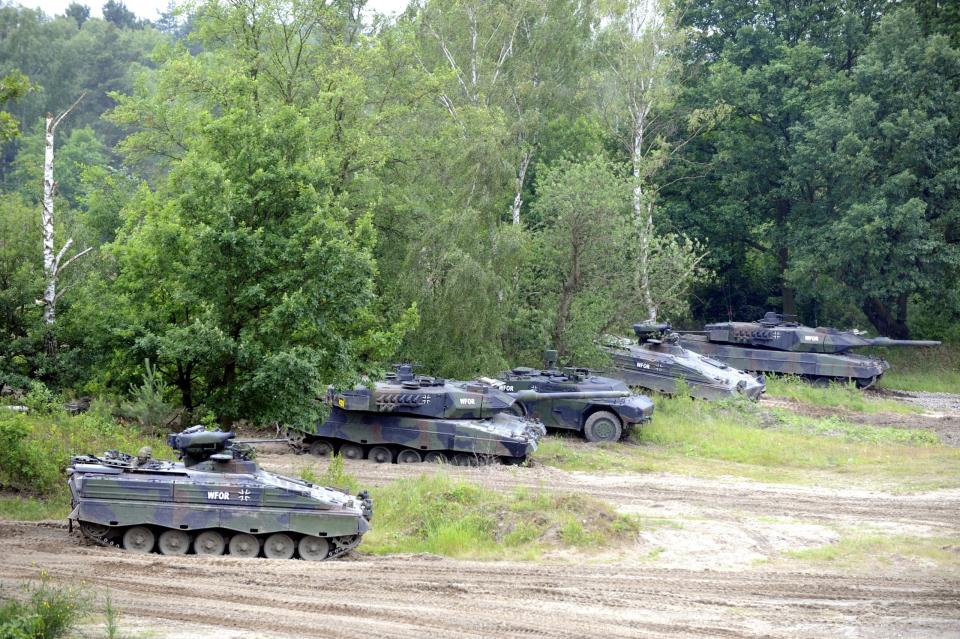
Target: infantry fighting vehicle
{"x": 658, "y": 362}
{"x": 775, "y": 345}
{"x": 412, "y": 418}
{"x": 216, "y": 500}
{"x": 577, "y": 399}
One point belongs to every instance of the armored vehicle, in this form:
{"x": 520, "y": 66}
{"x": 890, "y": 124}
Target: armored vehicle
{"x": 776, "y": 345}
{"x": 412, "y": 418}
{"x": 577, "y": 399}
{"x": 659, "y": 361}
{"x": 216, "y": 500}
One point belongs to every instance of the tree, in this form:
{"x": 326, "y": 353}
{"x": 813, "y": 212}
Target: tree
{"x": 117, "y": 13}
{"x": 53, "y": 263}
{"x": 12, "y": 86}
{"x": 79, "y": 12}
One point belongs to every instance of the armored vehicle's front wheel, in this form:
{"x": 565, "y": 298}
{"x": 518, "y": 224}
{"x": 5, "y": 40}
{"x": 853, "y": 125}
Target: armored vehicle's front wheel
{"x": 139, "y": 539}
{"x": 409, "y": 456}
{"x": 321, "y": 448}
{"x": 381, "y": 455}
{"x": 174, "y": 542}
{"x": 279, "y": 546}
{"x": 209, "y": 542}
{"x": 351, "y": 451}
{"x": 313, "y": 548}
{"x": 435, "y": 457}
{"x": 244, "y": 545}
{"x": 602, "y": 426}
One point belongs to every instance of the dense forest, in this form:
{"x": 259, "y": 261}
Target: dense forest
{"x": 255, "y": 198}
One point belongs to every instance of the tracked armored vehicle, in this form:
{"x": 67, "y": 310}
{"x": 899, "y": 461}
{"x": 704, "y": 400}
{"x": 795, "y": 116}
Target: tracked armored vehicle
{"x": 410, "y": 418}
{"x": 658, "y": 362}
{"x": 776, "y": 345}
{"x": 215, "y": 501}
{"x": 577, "y": 399}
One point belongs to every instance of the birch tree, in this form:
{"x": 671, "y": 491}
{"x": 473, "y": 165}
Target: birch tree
{"x": 53, "y": 262}
{"x": 640, "y": 83}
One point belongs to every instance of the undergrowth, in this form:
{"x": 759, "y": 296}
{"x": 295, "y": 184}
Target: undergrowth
{"x": 836, "y": 395}
{"x": 445, "y": 516}
{"x": 922, "y": 369}
{"x": 864, "y": 550}
{"x": 41, "y": 610}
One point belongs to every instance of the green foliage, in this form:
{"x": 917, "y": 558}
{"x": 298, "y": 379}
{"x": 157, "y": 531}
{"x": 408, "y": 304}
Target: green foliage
{"x": 836, "y": 395}
{"x": 35, "y": 449}
{"x": 148, "y": 404}
{"x": 12, "y": 86}
{"x": 336, "y": 475}
{"x": 450, "y": 517}
{"x": 48, "y": 612}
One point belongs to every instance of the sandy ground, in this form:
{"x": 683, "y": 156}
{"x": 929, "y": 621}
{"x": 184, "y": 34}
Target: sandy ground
{"x": 711, "y": 561}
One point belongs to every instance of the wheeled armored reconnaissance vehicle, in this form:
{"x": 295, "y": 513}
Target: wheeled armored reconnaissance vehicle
{"x": 216, "y": 500}
{"x": 776, "y": 345}
{"x": 577, "y": 399}
{"x": 412, "y": 418}
{"x": 659, "y": 361}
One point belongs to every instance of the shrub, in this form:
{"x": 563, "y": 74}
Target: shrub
{"x": 148, "y": 403}
{"x": 48, "y": 612}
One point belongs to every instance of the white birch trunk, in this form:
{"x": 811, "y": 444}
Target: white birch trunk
{"x": 49, "y": 258}
{"x": 642, "y": 216}
{"x": 518, "y": 197}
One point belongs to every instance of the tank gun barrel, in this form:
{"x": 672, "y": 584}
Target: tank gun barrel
{"x": 886, "y": 341}
{"x": 531, "y": 395}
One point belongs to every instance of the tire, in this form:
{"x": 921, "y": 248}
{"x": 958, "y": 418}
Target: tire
{"x": 173, "y": 542}
{"x": 409, "y": 456}
{"x": 380, "y": 455}
{"x": 139, "y": 539}
{"x": 279, "y": 546}
{"x": 820, "y": 382}
{"x": 464, "y": 459}
{"x": 313, "y": 548}
{"x": 209, "y": 543}
{"x": 244, "y": 545}
{"x": 864, "y": 383}
{"x": 321, "y": 448}
{"x": 351, "y": 451}
{"x": 435, "y": 457}
{"x": 602, "y": 426}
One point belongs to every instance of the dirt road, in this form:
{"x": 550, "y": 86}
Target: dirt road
{"x": 416, "y": 596}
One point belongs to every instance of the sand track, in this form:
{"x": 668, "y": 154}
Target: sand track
{"x": 417, "y": 596}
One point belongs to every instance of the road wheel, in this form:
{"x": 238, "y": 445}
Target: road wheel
{"x": 409, "y": 456}
{"x": 820, "y": 382}
{"x": 244, "y": 545}
{"x": 518, "y": 409}
{"x": 209, "y": 543}
{"x": 381, "y": 455}
{"x": 464, "y": 459}
{"x": 602, "y": 426}
{"x": 351, "y": 451}
{"x": 864, "y": 383}
{"x": 321, "y": 448}
{"x": 313, "y": 548}
{"x": 139, "y": 539}
{"x": 435, "y": 457}
{"x": 174, "y": 542}
{"x": 279, "y": 546}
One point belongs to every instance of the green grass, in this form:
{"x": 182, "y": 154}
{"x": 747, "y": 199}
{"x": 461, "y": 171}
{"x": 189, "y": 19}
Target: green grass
{"x": 33, "y": 509}
{"x": 711, "y": 439}
{"x": 866, "y": 550}
{"x": 41, "y": 610}
{"x": 836, "y": 395}
{"x": 445, "y": 516}
{"x": 922, "y": 369}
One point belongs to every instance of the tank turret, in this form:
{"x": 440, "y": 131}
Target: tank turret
{"x": 215, "y": 501}
{"x": 778, "y": 344}
{"x": 658, "y": 361}
{"x": 412, "y": 418}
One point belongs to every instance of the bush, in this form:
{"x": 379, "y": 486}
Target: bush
{"x": 24, "y": 464}
{"x": 148, "y": 404}
{"x": 48, "y": 612}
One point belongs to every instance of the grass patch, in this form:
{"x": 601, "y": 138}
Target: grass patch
{"x": 41, "y": 610}
{"x": 33, "y": 509}
{"x": 850, "y": 432}
{"x": 836, "y": 395}
{"x": 934, "y": 370}
{"x": 733, "y": 438}
{"x": 869, "y": 549}
{"x": 445, "y": 516}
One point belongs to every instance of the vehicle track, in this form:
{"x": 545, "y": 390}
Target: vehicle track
{"x": 416, "y": 596}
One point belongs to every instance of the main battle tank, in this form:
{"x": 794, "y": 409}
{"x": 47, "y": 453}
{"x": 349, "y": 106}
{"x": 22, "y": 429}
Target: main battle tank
{"x": 775, "y": 345}
{"x": 412, "y": 418}
{"x": 215, "y": 500}
{"x": 658, "y": 362}
{"x": 577, "y": 399}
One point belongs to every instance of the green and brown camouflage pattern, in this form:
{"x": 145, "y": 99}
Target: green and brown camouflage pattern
{"x": 577, "y": 399}
{"x": 775, "y": 345}
{"x": 217, "y": 488}
{"x": 412, "y": 418}
{"x": 659, "y": 362}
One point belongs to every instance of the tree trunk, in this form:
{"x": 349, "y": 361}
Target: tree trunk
{"x": 788, "y": 300}
{"x": 884, "y": 321}
{"x": 49, "y": 258}
{"x": 642, "y": 220}
{"x": 518, "y": 197}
